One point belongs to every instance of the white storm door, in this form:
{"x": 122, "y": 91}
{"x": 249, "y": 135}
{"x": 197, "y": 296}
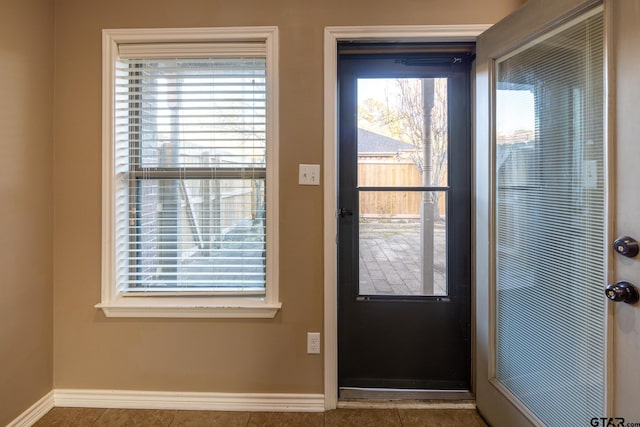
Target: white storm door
{"x": 544, "y": 186}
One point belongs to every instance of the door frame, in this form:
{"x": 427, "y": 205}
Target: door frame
{"x": 333, "y": 35}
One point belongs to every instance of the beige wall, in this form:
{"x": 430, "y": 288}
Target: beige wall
{"x": 92, "y": 351}
{"x": 26, "y": 207}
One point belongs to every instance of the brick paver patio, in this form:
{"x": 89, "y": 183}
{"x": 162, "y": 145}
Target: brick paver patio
{"x": 390, "y": 258}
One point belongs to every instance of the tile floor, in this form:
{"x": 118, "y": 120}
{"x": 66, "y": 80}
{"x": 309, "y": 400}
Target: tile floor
{"x": 80, "y": 417}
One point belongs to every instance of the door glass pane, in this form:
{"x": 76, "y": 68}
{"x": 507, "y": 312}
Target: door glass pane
{"x": 402, "y": 142}
{"x": 402, "y": 250}
{"x": 402, "y": 132}
{"x": 550, "y": 223}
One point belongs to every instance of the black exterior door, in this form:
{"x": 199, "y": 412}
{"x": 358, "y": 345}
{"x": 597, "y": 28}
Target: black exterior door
{"x": 404, "y": 219}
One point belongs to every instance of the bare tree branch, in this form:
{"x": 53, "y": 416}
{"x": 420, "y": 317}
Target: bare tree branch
{"x": 401, "y": 115}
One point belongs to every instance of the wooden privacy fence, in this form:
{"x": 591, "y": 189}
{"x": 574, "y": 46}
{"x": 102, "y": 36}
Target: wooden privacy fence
{"x": 391, "y": 172}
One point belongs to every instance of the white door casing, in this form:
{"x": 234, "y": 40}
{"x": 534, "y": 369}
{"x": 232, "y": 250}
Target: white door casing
{"x": 332, "y": 35}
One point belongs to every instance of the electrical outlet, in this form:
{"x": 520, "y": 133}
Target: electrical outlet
{"x": 313, "y": 342}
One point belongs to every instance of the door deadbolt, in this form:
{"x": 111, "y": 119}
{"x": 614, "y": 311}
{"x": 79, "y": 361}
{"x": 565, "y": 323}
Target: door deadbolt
{"x": 622, "y": 292}
{"x": 626, "y": 246}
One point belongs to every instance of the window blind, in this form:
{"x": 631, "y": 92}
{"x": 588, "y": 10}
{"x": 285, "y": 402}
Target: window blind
{"x": 550, "y": 223}
{"x": 190, "y": 135}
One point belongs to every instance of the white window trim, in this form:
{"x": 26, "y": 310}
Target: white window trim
{"x": 114, "y": 302}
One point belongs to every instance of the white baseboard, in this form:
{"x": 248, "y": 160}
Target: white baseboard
{"x": 35, "y": 412}
{"x": 265, "y": 402}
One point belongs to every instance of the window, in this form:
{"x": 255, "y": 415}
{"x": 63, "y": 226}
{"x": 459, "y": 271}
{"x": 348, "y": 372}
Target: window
{"x": 190, "y": 173}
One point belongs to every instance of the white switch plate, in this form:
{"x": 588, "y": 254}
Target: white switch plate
{"x": 309, "y": 175}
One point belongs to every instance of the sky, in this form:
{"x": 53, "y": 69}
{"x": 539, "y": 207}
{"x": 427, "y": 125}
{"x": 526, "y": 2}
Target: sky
{"x": 514, "y": 108}
{"x": 514, "y": 111}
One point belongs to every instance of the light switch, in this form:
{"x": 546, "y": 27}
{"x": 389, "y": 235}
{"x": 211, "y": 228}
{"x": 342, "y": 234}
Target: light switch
{"x": 309, "y": 175}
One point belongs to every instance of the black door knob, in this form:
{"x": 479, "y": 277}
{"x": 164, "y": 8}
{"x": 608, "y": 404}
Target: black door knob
{"x": 622, "y": 291}
{"x": 627, "y": 246}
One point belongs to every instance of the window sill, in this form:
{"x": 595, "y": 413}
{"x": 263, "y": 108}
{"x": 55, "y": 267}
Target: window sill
{"x": 189, "y": 308}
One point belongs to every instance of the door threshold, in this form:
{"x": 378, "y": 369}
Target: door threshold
{"x": 406, "y": 404}
{"x": 355, "y": 397}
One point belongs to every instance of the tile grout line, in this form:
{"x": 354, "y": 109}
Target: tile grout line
{"x": 101, "y": 415}
{"x": 175, "y": 414}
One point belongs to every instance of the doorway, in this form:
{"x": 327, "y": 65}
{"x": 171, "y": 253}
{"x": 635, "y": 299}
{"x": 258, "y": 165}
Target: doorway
{"x": 404, "y": 213}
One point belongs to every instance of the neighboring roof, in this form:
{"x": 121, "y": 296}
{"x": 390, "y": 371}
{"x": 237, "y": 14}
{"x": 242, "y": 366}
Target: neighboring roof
{"x": 369, "y": 142}
{"x": 507, "y": 151}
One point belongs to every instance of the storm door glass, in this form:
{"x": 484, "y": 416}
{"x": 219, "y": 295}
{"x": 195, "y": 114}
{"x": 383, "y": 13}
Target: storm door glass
{"x": 402, "y": 158}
